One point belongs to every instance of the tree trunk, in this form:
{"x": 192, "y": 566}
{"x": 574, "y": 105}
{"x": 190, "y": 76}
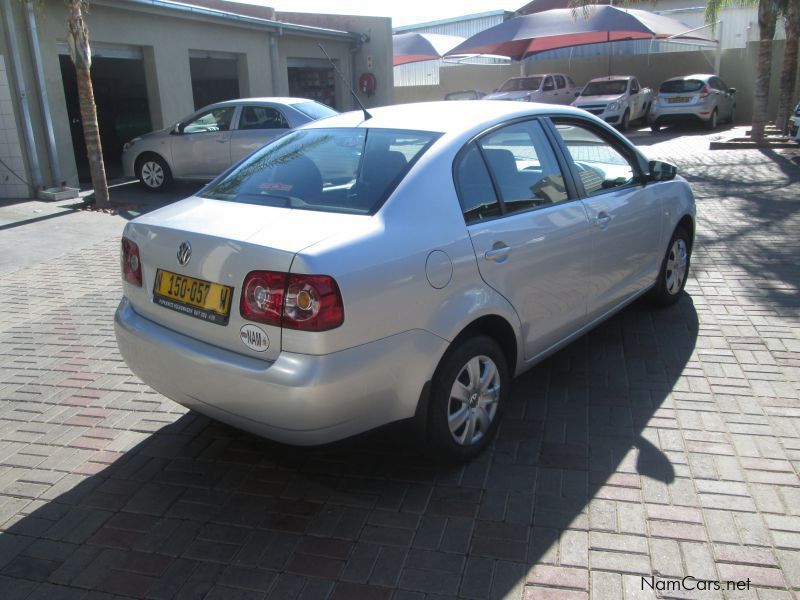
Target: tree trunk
{"x": 78, "y": 42}
{"x": 789, "y": 68}
{"x": 91, "y": 134}
{"x": 767, "y": 17}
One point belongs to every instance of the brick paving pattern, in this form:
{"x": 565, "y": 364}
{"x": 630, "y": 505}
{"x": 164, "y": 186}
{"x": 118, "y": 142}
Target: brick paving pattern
{"x": 664, "y": 444}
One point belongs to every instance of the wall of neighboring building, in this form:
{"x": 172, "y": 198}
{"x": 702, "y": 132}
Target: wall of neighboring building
{"x": 374, "y": 55}
{"x": 12, "y": 166}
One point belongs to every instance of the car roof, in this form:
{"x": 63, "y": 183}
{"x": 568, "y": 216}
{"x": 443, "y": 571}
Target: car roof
{"x": 260, "y": 100}
{"x": 695, "y": 76}
{"x": 613, "y": 78}
{"x": 444, "y": 116}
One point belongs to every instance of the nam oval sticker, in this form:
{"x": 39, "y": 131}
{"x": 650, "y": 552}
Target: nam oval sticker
{"x": 254, "y": 337}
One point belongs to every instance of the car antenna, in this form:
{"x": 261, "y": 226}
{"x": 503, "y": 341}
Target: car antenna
{"x": 367, "y": 116}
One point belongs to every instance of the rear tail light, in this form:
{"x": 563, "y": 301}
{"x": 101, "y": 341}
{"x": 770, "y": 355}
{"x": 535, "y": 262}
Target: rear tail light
{"x": 294, "y": 301}
{"x": 705, "y": 93}
{"x": 131, "y": 263}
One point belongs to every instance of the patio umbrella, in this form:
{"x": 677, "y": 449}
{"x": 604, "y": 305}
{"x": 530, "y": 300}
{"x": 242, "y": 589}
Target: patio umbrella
{"x": 523, "y": 36}
{"x": 416, "y": 47}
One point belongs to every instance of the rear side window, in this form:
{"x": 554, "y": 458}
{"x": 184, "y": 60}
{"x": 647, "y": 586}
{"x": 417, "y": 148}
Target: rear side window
{"x": 524, "y": 166}
{"x": 262, "y": 117}
{"x": 349, "y": 170}
{"x": 679, "y": 86}
{"x": 475, "y": 190}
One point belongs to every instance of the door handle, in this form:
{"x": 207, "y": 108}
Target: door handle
{"x": 221, "y": 140}
{"x": 498, "y": 253}
{"x": 602, "y": 220}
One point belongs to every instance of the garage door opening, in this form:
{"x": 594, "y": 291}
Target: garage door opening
{"x": 312, "y": 79}
{"x": 120, "y": 94}
{"x": 215, "y": 77}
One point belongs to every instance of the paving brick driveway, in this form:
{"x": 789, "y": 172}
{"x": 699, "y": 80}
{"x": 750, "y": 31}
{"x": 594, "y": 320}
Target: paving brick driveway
{"x": 664, "y": 444}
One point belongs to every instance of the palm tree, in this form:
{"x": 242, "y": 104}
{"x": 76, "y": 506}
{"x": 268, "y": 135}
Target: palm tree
{"x": 78, "y": 42}
{"x": 791, "y": 14}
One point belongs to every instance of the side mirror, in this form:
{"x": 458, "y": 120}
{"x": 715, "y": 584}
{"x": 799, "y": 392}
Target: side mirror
{"x": 731, "y": 91}
{"x": 178, "y": 129}
{"x": 634, "y": 92}
{"x": 661, "y": 171}
{"x": 577, "y": 94}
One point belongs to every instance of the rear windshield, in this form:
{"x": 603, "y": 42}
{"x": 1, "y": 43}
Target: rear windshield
{"x": 605, "y": 88}
{"x": 315, "y": 110}
{"x": 679, "y": 86}
{"x": 521, "y": 84}
{"x": 346, "y": 170}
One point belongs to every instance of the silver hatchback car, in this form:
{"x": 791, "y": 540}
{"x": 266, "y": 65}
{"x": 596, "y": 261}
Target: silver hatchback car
{"x": 357, "y": 272}
{"x": 704, "y": 99}
{"x": 210, "y": 140}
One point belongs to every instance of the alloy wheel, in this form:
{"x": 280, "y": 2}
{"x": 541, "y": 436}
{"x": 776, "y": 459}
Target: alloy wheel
{"x": 473, "y": 400}
{"x": 677, "y": 263}
{"x": 152, "y": 174}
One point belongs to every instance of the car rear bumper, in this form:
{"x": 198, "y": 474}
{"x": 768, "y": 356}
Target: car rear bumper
{"x": 662, "y": 115}
{"x": 296, "y": 399}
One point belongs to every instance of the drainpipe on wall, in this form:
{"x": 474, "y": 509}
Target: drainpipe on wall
{"x": 19, "y": 80}
{"x": 275, "y": 63}
{"x": 718, "y": 55}
{"x": 33, "y": 38}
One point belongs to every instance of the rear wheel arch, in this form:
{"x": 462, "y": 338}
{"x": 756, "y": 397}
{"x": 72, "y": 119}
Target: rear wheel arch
{"x": 493, "y": 326}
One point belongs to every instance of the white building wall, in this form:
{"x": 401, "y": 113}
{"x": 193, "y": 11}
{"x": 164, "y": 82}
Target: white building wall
{"x": 12, "y": 168}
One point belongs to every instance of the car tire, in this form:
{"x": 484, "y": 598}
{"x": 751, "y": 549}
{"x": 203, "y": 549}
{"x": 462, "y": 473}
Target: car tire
{"x": 732, "y": 117}
{"x": 674, "y": 269}
{"x": 626, "y": 121}
{"x": 153, "y": 173}
{"x": 467, "y": 396}
{"x": 711, "y": 124}
{"x": 655, "y": 127}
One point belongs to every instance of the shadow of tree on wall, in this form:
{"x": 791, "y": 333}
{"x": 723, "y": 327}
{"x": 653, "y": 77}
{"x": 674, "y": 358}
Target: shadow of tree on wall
{"x": 201, "y": 510}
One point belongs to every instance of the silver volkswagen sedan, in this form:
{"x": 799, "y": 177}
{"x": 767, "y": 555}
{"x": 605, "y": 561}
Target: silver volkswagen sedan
{"x": 356, "y": 272}
{"x": 210, "y": 140}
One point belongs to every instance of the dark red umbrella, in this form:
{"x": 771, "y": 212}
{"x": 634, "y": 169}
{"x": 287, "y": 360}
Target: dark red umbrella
{"x": 416, "y": 47}
{"x": 523, "y": 36}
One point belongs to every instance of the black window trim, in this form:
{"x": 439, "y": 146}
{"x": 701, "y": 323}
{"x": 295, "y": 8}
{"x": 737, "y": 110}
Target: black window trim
{"x": 621, "y": 145}
{"x": 573, "y": 194}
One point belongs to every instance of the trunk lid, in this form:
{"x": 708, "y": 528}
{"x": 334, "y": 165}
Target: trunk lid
{"x": 227, "y": 240}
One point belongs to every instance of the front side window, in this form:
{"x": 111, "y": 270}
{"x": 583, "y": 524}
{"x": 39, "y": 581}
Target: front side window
{"x": 262, "y": 117}
{"x": 560, "y": 83}
{"x": 348, "y": 170}
{"x": 216, "y": 119}
{"x": 634, "y": 87}
{"x": 548, "y": 84}
{"x": 601, "y": 164}
{"x": 524, "y": 166}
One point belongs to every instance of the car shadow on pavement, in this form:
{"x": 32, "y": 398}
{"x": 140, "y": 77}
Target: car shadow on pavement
{"x": 202, "y": 510}
{"x": 130, "y": 199}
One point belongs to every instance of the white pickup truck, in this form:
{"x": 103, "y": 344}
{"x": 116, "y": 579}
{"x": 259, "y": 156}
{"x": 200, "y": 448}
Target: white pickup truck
{"x": 550, "y": 88}
{"x": 618, "y": 99}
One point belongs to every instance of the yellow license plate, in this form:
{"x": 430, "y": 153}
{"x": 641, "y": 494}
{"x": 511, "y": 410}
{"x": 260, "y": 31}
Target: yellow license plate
{"x": 678, "y": 99}
{"x": 195, "y": 297}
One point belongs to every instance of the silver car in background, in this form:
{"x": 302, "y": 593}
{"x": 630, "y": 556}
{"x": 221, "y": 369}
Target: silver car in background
{"x": 700, "y": 98}
{"x": 358, "y": 272}
{"x": 210, "y": 140}
{"x": 551, "y": 88}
